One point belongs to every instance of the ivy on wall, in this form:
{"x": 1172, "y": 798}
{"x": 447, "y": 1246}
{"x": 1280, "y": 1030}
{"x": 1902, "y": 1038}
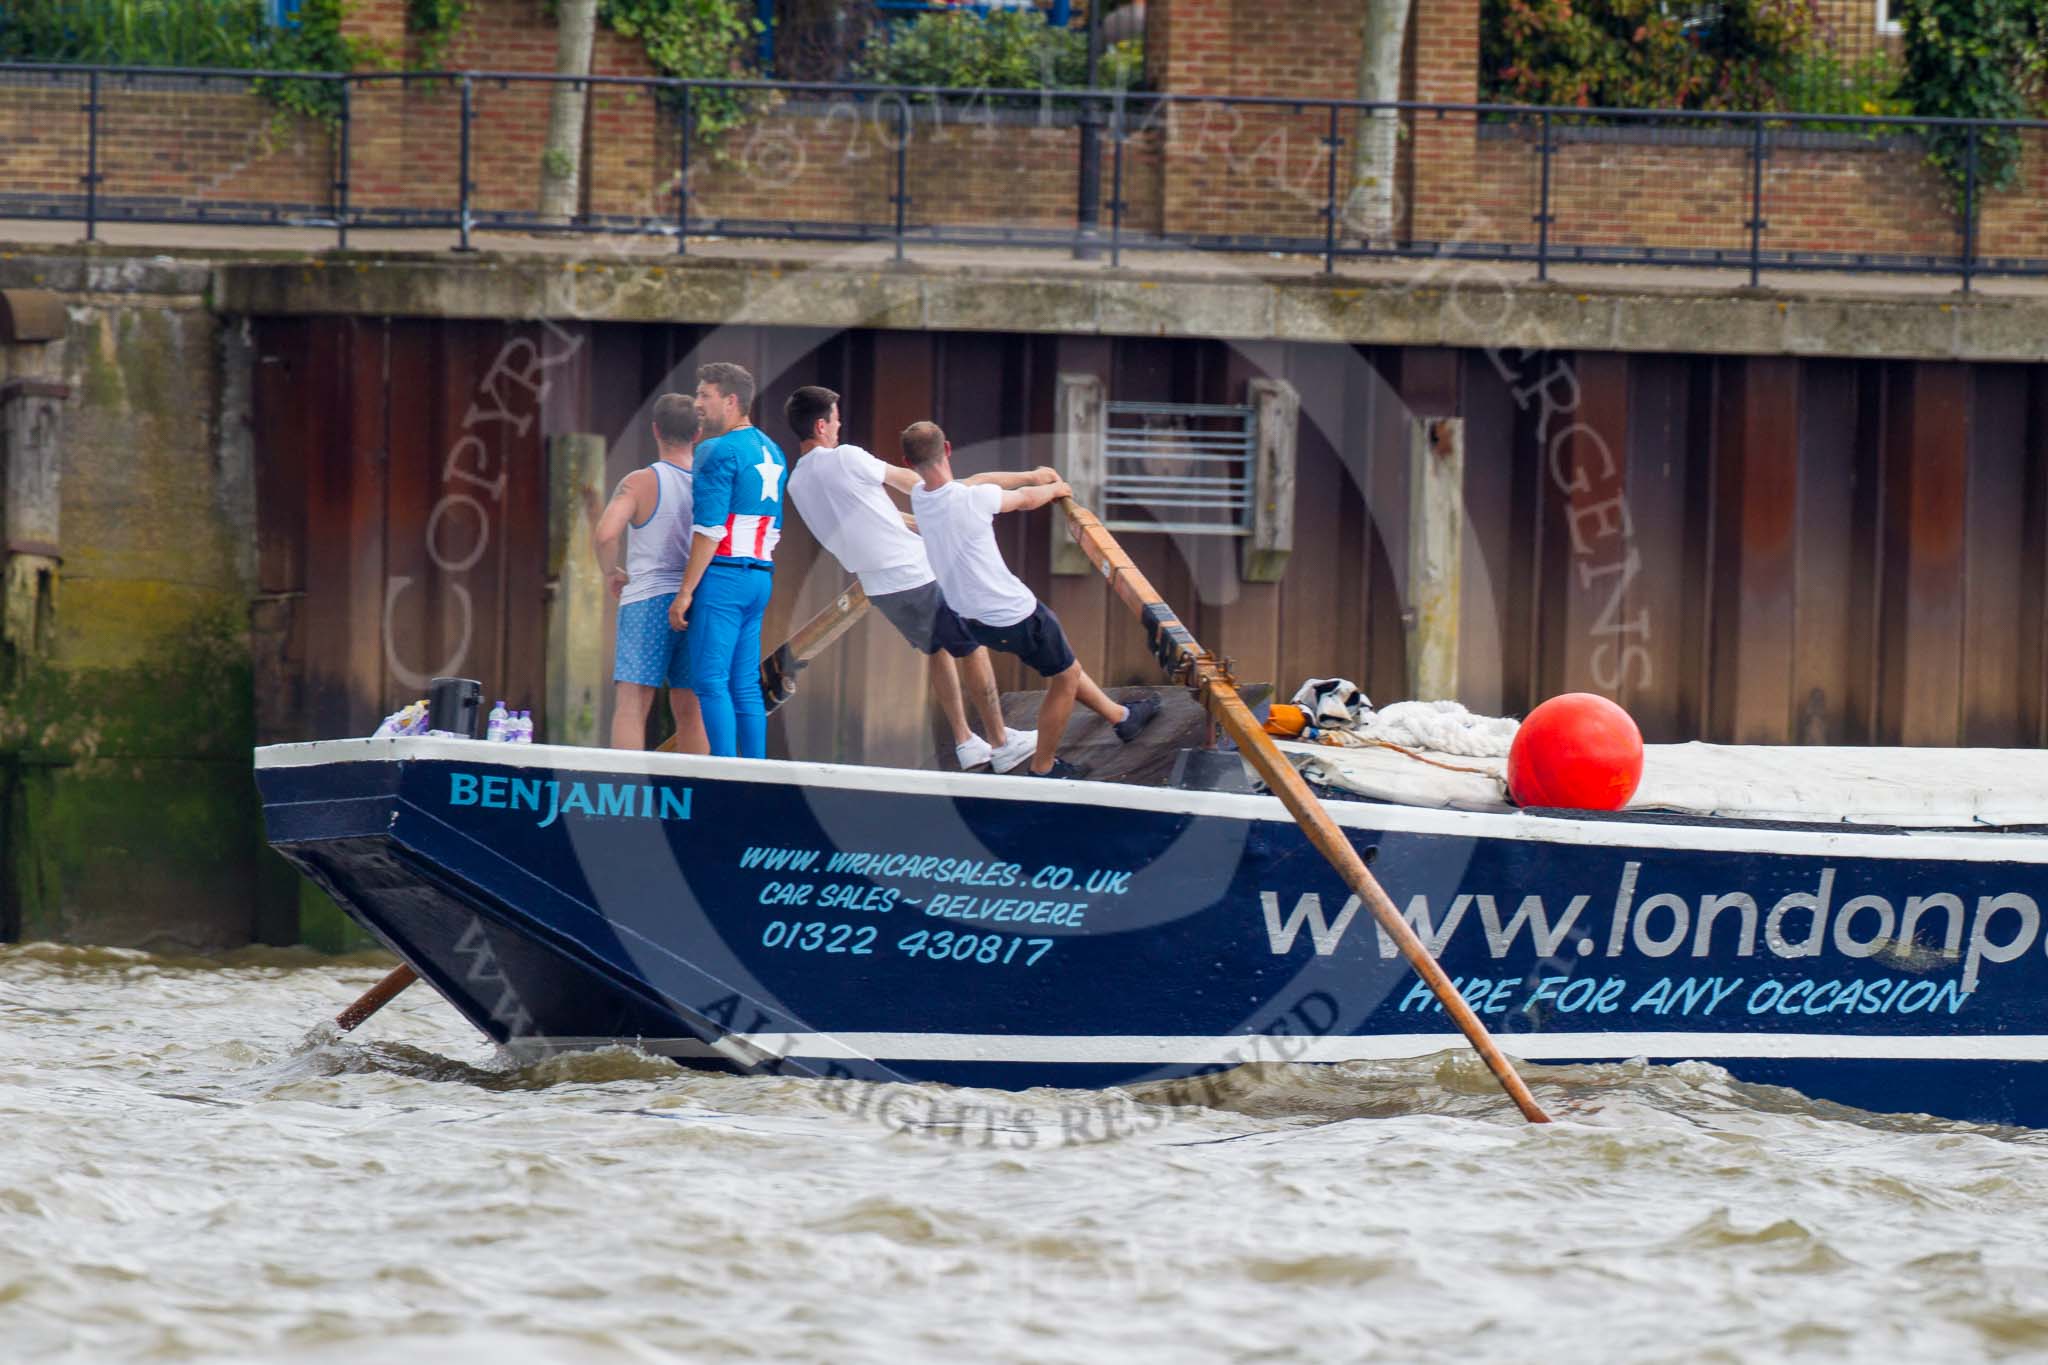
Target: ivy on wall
{"x": 694, "y": 39}
{"x": 1972, "y": 59}
{"x": 317, "y": 44}
{"x": 433, "y": 25}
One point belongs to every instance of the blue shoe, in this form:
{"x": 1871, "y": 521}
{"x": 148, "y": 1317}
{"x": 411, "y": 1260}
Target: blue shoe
{"x": 1140, "y": 715}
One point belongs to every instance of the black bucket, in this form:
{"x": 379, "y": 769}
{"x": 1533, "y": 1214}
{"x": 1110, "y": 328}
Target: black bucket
{"x": 456, "y": 704}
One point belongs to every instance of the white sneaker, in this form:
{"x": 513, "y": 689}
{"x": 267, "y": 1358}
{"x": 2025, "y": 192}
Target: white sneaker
{"x": 973, "y": 753}
{"x": 1015, "y": 751}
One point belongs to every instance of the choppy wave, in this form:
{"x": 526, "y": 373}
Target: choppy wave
{"x": 196, "y": 1166}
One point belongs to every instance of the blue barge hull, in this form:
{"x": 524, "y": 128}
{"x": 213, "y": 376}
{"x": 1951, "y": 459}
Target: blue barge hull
{"x": 1013, "y": 932}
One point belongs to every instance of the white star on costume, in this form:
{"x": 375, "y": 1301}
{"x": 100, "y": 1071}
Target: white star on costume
{"x": 771, "y": 480}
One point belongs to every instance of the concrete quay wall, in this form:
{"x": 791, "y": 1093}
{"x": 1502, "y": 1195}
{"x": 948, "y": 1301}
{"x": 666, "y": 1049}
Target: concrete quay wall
{"x": 1436, "y": 304}
{"x": 127, "y": 814}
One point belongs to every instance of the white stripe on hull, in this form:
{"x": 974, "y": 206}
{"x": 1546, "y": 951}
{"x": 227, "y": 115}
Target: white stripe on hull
{"x": 1169, "y": 1050}
{"x": 1958, "y": 846}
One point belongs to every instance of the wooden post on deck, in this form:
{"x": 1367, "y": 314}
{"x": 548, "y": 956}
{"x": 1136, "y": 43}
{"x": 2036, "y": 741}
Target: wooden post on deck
{"x": 1080, "y": 430}
{"x": 1263, "y": 554}
{"x": 1436, "y": 532}
{"x": 577, "y": 615}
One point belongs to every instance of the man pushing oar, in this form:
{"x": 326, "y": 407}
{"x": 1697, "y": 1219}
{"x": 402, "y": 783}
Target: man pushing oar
{"x": 956, "y": 517}
{"x": 842, "y": 493}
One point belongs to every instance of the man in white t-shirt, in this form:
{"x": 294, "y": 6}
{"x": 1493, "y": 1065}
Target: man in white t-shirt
{"x": 956, "y": 518}
{"x": 841, "y": 492}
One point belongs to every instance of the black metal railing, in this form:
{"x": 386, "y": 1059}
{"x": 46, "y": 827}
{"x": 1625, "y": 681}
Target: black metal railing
{"x": 1541, "y": 187}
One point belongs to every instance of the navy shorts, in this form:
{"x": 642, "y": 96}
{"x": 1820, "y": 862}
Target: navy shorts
{"x": 922, "y": 617}
{"x": 1037, "y": 640}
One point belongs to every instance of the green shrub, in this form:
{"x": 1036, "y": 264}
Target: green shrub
{"x": 133, "y": 32}
{"x": 316, "y": 44}
{"x": 1821, "y": 83}
{"x": 1003, "y": 50}
{"x": 2034, "y": 57}
{"x": 198, "y": 33}
{"x": 1970, "y": 59}
{"x": 1642, "y": 54}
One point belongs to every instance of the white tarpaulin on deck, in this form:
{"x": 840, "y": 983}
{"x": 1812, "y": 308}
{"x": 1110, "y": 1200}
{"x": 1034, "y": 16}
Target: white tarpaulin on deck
{"x": 1924, "y": 788}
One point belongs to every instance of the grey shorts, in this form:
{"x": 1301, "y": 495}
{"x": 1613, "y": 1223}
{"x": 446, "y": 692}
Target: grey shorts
{"x": 922, "y": 617}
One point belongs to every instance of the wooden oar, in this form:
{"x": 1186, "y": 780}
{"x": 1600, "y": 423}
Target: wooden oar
{"x": 376, "y": 998}
{"x": 781, "y": 665}
{"x": 1187, "y": 662}
{"x": 812, "y": 638}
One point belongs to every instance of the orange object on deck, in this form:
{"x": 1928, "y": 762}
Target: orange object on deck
{"x": 1285, "y": 720}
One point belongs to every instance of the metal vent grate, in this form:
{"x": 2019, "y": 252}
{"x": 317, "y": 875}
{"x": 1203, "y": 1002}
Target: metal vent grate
{"x": 1181, "y": 467}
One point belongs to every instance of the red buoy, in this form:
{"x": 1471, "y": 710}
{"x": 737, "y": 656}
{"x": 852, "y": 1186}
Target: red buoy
{"x": 1577, "y": 752}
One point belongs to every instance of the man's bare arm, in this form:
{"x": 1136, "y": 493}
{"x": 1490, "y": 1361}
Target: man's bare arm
{"x": 897, "y": 479}
{"x": 1038, "y": 495}
{"x": 610, "y": 532}
{"x": 1007, "y": 479}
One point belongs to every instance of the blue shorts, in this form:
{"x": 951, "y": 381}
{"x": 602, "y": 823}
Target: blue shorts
{"x": 649, "y": 653}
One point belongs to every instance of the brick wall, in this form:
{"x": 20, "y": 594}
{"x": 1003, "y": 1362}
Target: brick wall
{"x": 2012, "y": 224}
{"x": 407, "y": 137}
{"x": 1446, "y": 44}
{"x": 841, "y": 166}
{"x": 44, "y": 132}
{"x": 216, "y": 143}
{"x": 1201, "y": 168}
{"x": 836, "y": 165}
{"x": 1250, "y": 171}
{"x": 1832, "y": 195}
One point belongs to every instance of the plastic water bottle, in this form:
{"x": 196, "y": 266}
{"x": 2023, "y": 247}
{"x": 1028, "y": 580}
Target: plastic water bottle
{"x": 494, "y": 729}
{"x": 526, "y": 727}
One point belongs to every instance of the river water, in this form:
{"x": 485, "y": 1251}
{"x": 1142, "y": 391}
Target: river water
{"x": 191, "y": 1168}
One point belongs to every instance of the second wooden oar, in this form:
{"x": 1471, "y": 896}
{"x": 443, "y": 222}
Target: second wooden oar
{"x": 376, "y": 998}
{"x": 812, "y": 638}
{"x": 1185, "y": 660}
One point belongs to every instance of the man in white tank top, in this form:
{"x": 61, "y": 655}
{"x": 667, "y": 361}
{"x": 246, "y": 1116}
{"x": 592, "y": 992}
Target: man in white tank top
{"x": 651, "y": 510}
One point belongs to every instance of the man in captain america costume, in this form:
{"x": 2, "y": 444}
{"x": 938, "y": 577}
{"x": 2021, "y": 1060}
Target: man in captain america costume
{"x": 737, "y": 522}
